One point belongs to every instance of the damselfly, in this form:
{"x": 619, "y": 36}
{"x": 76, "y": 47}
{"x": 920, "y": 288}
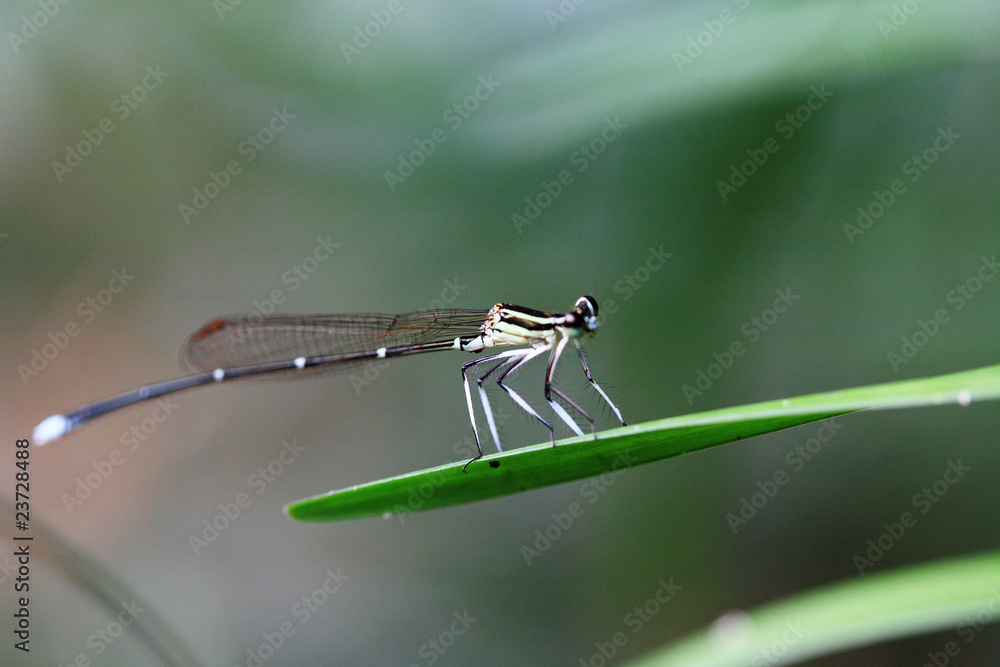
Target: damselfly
{"x": 292, "y": 346}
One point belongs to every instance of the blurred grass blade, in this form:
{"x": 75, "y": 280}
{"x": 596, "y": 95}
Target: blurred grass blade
{"x": 108, "y": 589}
{"x": 638, "y": 66}
{"x": 961, "y": 594}
{"x": 577, "y": 458}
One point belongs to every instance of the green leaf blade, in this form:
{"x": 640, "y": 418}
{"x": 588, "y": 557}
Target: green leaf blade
{"x": 845, "y": 615}
{"x": 575, "y": 458}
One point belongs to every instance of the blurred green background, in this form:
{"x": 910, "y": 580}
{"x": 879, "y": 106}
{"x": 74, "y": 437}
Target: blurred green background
{"x": 638, "y": 111}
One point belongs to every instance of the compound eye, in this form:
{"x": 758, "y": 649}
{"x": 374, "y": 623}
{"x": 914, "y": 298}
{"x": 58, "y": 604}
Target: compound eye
{"x": 587, "y": 306}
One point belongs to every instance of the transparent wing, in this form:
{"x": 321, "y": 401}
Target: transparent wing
{"x": 229, "y": 342}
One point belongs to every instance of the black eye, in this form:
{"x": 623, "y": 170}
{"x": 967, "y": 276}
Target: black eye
{"x": 587, "y": 305}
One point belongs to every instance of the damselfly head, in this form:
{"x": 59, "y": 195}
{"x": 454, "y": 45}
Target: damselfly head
{"x": 586, "y": 310}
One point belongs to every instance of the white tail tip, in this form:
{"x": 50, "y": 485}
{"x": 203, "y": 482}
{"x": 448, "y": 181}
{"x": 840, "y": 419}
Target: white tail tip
{"x": 51, "y": 429}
